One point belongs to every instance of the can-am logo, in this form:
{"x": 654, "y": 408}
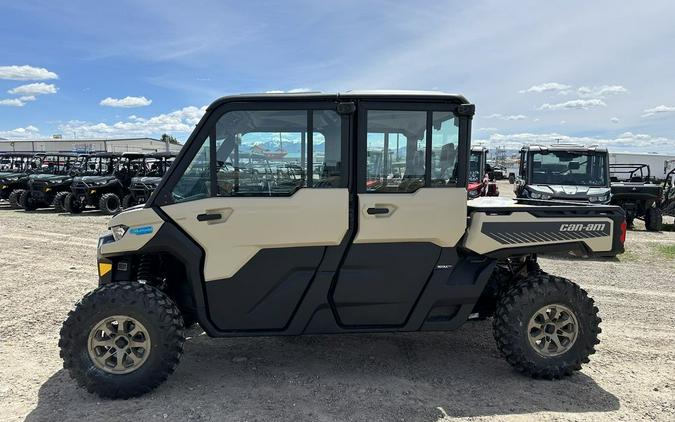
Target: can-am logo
{"x": 590, "y": 227}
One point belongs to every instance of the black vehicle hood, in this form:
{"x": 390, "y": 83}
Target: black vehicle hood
{"x": 569, "y": 191}
{"x": 95, "y": 179}
{"x": 51, "y": 178}
{"x": 146, "y": 180}
{"x": 12, "y": 176}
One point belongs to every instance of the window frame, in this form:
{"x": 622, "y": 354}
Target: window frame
{"x": 463, "y": 140}
{"x": 205, "y": 131}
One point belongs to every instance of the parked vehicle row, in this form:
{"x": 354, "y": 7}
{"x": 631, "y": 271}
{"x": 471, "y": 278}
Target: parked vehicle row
{"x": 68, "y": 182}
{"x": 577, "y": 173}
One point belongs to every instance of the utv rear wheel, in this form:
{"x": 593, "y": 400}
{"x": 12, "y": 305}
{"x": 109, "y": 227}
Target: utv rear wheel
{"x": 27, "y": 202}
{"x": 546, "y": 326}
{"x": 127, "y": 201}
{"x": 59, "y": 201}
{"x": 122, "y": 340}
{"x": 654, "y": 220}
{"x": 109, "y": 203}
{"x": 72, "y": 205}
{"x": 14, "y": 198}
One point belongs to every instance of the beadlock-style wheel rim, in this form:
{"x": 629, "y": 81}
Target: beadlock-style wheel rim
{"x": 119, "y": 344}
{"x": 552, "y": 330}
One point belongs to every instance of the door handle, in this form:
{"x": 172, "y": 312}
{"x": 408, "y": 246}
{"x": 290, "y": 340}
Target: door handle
{"x": 209, "y": 217}
{"x": 376, "y": 211}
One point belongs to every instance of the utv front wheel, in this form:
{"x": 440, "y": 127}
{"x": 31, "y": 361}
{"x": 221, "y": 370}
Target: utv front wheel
{"x": 27, "y": 202}
{"x": 14, "y": 197}
{"x": 653, "y": 220}
{"x": 72, "y": 205}
{"x": 122, "y": 340}
{"x": 546, "y": 326}
{"x": 59, "y": 201}
{"x": 109, "y": 203}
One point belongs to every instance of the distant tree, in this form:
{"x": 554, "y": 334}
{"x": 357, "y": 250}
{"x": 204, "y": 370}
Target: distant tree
{"x": 165, "y": 137}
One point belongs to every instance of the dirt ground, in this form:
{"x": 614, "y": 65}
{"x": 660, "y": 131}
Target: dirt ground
{"x": 48, "y": 263}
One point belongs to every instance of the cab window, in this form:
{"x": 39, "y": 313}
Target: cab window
{"x": 401, "y": 157}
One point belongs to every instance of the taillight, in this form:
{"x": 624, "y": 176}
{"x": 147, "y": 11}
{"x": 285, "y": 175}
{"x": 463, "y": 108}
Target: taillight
{"x": 624, "y": 227}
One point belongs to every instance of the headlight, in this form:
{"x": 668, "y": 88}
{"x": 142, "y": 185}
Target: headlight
{"x": 545, "y": 196}
{"x": 119, "y": 231}
{"x": 600, "y": 198}
{"x": 535, "y": 195}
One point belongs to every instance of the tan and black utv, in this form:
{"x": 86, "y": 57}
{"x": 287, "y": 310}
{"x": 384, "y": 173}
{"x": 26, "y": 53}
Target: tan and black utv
{"x": 331, "y": 213}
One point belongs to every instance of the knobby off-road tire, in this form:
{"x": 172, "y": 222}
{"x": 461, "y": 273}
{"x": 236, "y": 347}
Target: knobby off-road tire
{"x": 14, "y": 197}
{"x": 154, "y": 315}
{"x": 126, "y": 201}
{"x": 59, "y": 201}
{"x": 72, "y": 205}
{"x": 524, "y": 308}
{"x": 654, "y": 220}
{"x": 109, "y": 203}
{"x": 26, "y": 201}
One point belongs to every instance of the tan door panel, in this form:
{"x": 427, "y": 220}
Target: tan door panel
{"x": 311, "y": 217}
{"x": 435, "y": 215}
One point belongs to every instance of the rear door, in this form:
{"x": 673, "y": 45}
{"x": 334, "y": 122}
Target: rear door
{"x": 263, "y": 192}
{"x": 411, "y": 165}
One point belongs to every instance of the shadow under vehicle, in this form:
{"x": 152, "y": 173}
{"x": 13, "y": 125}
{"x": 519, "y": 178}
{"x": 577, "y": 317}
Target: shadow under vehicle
{"x": 152, "y": 168}
{"x": 564, "y": 172}
{"x": 634, "y": 190}
{"x": 341, "y": 246}
{"x": 53, "y": 176}
{"x": 15, "y": 167}
{"x": 107, "y": 180}
{"x": 481, "y": 175}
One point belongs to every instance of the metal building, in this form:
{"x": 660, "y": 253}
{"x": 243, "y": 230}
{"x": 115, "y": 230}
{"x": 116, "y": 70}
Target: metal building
{"x": 87, "y": 145}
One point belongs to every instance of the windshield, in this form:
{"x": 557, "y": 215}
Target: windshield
{"x": 99, "y": 166}
{"x": 14, "y": 164}
{"x": 474, "y": 166}
{"x": 58, "y": 164}
{"x": 569, "y": 168}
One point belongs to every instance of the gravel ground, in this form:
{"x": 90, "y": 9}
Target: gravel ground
{"x": 49, "y": 263}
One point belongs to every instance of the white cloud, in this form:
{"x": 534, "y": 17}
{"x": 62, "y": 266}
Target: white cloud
{"x": 600, "y": 91}
{"x": 126, "y": 102}
{"x": 627, "y": 141}
{"x": 26, "y": 73}
{"x": 12, "y": 102}
{"x": 488, "y": 129}
{"x": 574, "y": 104}
{"x": 179, "y": 121}
{"x": 39, "y": 88}
{"x": 21, "y": 133}
{"x": 547, "y": 87}
{"x": 614, "y": 120}
{"x": 506, "y": 117}
{"x": 657, "y": 110}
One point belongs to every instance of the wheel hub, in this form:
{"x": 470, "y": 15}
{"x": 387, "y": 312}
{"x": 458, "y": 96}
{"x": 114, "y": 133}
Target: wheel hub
{"x": 552, "y": 330}
{"x": 119, "y": 344}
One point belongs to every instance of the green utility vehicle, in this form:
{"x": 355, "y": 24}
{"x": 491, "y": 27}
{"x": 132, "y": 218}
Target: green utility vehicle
{"x": 53, "y": 177}
{"x": 15, "y": 167}
{"x": 323, "y": 240}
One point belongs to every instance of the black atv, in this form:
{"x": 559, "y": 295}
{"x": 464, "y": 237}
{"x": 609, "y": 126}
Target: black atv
{"x": 634, "y": 190}
{"x": 46, "y": 184}
{"x": 153, "y": 167}
{"x": 105, "y": 182}
{"x": 15, "y": 167}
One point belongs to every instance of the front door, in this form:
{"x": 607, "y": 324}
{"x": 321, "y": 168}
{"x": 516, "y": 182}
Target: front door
{"x": 264, "y": 194}
{"x": 411, "y": 205}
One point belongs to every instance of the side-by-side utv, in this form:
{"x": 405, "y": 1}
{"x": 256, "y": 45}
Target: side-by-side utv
{"x": 15, "y": 167}
{"x": 564, "y": 172}
{"x": 54, "y": 176}
{"x": 153, "y": 167}
{"x": 323, "y": 239}
{"x": 106, "y": 181}
{"x": 668, "y": 203}
{"x": 481, "y": 181}
{"x": 635, "y": 191}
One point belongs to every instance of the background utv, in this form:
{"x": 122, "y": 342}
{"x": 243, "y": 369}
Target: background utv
{"x": 326, "y": 240}
{"x": 53, "y": 177}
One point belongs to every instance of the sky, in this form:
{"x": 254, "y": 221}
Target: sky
{"x": 600, "y": 72}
